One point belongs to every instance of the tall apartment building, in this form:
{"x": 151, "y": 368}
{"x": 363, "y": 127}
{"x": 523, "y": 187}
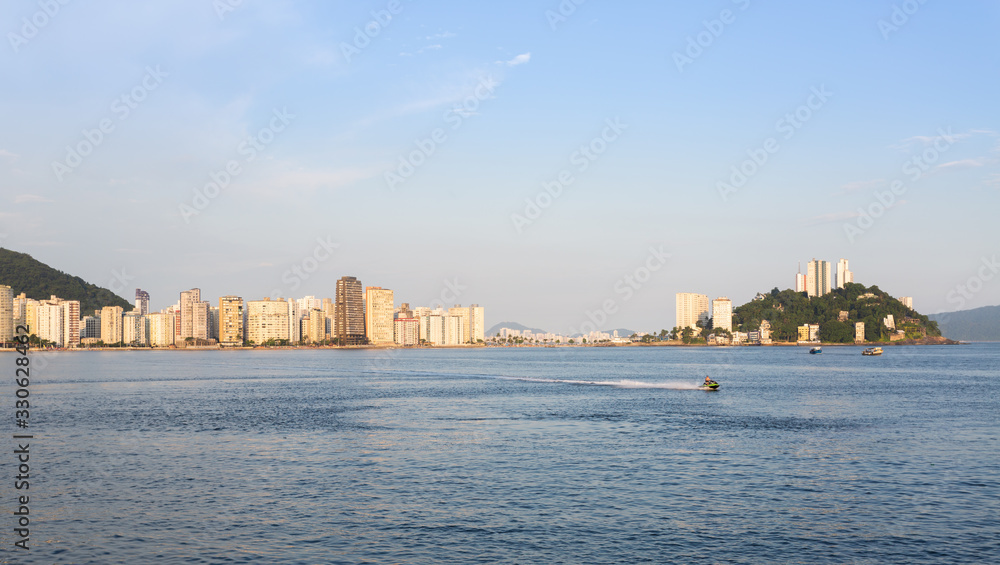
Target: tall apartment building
{"x": 134, "y": 329}
{"x": 161, "y": 329}
{"x": 90, "y": 328}
{"x": 691, "y": 309}
{"x": 231, "y": 321}
{"x": 722, "y": 314}
{"x": 329, "y": 311}
{"x": 142, "y": 301}
{"x": 71, "y": 323}
{"x": 111, "y": 324}
{"x": 859, "y": 332}
{"x": 818, "y": 278}
{"x": 406, "y": 331}
{"x": 379, "y": 309}
{"x": 266, "y": 320}
{"x": 50, "y": 321}
{"x": 19, "y": 306}
{"x": 477, "y": 323}
{"x": 6, "y": 314}
{"x": 349, "y": 315}
{"x": 800, "y": 280}
{"x": 844, "y": 275}
{"x": 442, "y": 328}
{"x": 194, "y": 315}
{"x": 907, "y": 301}
{"x": 463, "y": 315}
{"x": 315, "y": 326}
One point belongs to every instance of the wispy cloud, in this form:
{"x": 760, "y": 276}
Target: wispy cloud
{"x": 443, "y": 35}
{"x": 434, "y": 47}
{"x": 841, "y": 216}
{"x": 8, "y": 155}
{"x": 519, "y": 60}
{"x": 863, "y": 185}
{"x": 962, "y": 164}
{"x": 25, "y": 198}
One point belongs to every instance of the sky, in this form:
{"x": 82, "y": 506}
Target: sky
{"x": 561, "y": 163}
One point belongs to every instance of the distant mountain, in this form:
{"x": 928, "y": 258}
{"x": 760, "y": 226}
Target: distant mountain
{"x": 980, "y": 324}
{"x": 23, "y": 273}
{"x": 511, "y": 326}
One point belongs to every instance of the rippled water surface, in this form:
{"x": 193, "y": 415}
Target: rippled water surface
{"x": 604, "y": 455}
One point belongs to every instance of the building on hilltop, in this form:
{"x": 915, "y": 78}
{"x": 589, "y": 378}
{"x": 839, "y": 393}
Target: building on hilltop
{"x": 818, "y": 278}
{"x": 843, "y": 275}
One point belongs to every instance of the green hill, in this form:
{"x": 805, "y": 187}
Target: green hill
{"x": 786, "y": 310}
{"x": 980, "y": 324}
{"x": 23, "y": 273}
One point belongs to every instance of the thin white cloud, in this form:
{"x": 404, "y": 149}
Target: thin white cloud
{"x": 25, "y": 198}
{"x": 842, "y": 216}
{"x": 863, "y": 185}
{"x": 962, "y": 164}
{"x": 434, "y": 47}
{"x": 8, "y": 155}
{"x": 519, "y": 60}
{"x": 444, "y": 35}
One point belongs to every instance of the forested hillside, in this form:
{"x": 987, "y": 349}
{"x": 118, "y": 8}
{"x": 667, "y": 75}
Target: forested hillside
{"x": 37, "y": 280}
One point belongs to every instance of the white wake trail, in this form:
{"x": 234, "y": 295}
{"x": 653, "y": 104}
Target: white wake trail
{"x": 624, "y": 383}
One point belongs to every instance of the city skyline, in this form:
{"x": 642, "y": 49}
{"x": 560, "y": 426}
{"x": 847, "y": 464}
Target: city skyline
{"x": 557, "y": 163}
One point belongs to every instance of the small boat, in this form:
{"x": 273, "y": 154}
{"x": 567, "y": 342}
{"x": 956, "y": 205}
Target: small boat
{"x": 816, "y": 350}
{"x": 709, "y": 385}
{"x": 872, "y": 351}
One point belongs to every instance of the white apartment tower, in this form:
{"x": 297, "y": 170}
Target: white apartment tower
{"x": 722, "y": 314}
{"x": 691, "y": 308}
{"x": 844, "y": 274}
{"x": 818, "y": 278}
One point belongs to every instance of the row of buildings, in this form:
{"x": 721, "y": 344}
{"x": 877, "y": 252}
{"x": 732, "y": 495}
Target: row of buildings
{"x": 354, "y": 316}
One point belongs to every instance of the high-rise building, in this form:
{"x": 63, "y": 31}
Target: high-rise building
{"x": 378, "y": 315}
{"x": 161, "y": 329}
{"x": 294, "y": 321}
{"x": 315, "y": 326}
{"x": 463, "y": 315}
{"x": 267, "y": 320}
{"x": 111, "y": 324}
{"x": 6, "y": 314}
{"x": 800, "y": 280}
{"x": 406, "y": 331}
{"x": 213, "y": 323}
{"x": 844, "y": 274}
{"x": 142, "y": 301}
{"x": 20, "y": 307}
{"x": 442, "y": 328}
{"x": 859, "y": 332}
{"x": 231, "y": 321}
{"x": 722, "y": 314}
{"x": 71, "y": 323}
{"x": 818, "y": 278}
{"x": 349, "y": 312}
{"x": 691, "y": 309}
{"x": 50, "y": 321}
{"x": 477, "y": 323}
{"x": 907, "y": 301}
{"x": 90, "y": 328}
{"x": 194, "y": 315}
{"x": 404, "y": 311}
{"x": 134, "y": 329}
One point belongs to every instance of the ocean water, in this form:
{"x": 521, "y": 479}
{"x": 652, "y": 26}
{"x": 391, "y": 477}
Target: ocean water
{"x": 597, "y": 455}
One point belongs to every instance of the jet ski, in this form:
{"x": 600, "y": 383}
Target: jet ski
{"x": 710, "y": 385}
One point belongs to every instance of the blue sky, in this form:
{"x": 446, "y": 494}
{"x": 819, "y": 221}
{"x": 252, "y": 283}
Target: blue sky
{"x": 475, "y": 106}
